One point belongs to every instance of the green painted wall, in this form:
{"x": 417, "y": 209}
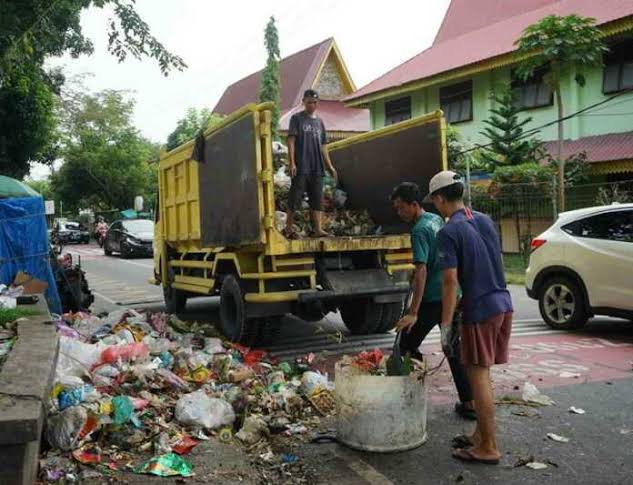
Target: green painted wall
{"x": 613, "y": 117}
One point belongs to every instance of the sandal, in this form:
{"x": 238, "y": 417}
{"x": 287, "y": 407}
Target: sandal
{"x": 462, "y": 441}
{"x": 465, "y": 454}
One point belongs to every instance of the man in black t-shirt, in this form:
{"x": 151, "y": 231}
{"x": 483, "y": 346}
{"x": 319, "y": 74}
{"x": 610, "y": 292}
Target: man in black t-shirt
{"x": 308, "y": 161}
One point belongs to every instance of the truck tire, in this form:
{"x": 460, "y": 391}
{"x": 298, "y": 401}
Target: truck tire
{"x": 233, "y": 322}
{"x": 391, "y": 313}
{"x": 362, "y": 317}
{"x": 175, "y": 300}
{"x": 561, "y": 303}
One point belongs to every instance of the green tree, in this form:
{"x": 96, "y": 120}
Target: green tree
{"x": 43, "y": 187}
{"x": 188, "y": 127}
{"x": 508, "y": 143}
{"x": 270, "y": 86}
{"x": 568, "y": 44}
{"x": 106, "y": 161}
{"x": 27, "y": 122}
{"x": 32, "y": 31}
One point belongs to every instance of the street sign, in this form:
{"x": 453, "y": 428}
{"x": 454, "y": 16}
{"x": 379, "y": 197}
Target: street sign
{"x": 49, "y": 206}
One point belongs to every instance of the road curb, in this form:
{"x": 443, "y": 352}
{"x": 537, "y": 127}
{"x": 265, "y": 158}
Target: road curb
{"x": 25, "y": 382}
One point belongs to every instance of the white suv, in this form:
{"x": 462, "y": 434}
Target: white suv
{"x": 583, "y": 266}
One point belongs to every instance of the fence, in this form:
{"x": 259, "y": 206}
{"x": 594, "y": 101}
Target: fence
{"x": 523, "y": 211}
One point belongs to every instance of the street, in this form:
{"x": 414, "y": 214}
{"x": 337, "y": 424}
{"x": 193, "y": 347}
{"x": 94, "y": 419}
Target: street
{"x": 589, "y": 369}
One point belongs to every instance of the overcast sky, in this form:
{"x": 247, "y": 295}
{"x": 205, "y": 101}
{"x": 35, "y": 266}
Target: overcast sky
{"x": 222, "y": 41}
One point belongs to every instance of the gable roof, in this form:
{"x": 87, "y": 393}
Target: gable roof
{"x": 457, "y": 45}
{"x": 298, "y": 73}
{"x": 464, "y": 16}
{"x": 336, "y": 117}
{"x": 598, "y": 148}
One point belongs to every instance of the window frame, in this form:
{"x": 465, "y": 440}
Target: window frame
{"x": 399, "y": 113}
{"x": 619, "y": 55}
{"x": 536, "y": 80}
{"x": 457, "y": 93}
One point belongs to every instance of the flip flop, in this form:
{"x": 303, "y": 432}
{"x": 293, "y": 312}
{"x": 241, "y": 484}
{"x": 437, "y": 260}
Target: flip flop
{"x": 461, "y": 441}
{"x": 465, "y": 454}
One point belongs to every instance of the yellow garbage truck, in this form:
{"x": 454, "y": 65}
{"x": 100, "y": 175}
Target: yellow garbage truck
{"x": 216, "y": 234}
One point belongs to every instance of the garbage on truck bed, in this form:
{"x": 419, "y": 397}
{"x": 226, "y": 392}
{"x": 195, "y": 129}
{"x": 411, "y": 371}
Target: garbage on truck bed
{"x": 131, "y": 394}
{"x": 338, "y": 218}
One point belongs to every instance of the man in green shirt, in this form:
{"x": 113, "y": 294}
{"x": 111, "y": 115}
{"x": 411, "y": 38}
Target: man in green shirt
{"x": 425, "y": 306}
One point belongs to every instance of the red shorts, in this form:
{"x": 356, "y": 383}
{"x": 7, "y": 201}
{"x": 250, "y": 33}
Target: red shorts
{"x": 486, "y": 343}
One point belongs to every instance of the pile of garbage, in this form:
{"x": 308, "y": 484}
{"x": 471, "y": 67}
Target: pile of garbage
{"x": 376, "y": 363}
{"x": 338, "y": 218}
{"x": 132, "y": 394}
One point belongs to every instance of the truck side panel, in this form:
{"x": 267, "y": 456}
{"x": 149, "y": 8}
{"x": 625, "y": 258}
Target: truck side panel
{"x": 371, "y": 165}
{"x": 179, "y": 198}
{"x": 230, "y": 187}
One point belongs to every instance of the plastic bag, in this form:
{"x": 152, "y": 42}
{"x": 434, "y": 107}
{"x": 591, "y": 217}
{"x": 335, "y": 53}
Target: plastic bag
{"x": 533, "y": 395}
{"x": 123, "y": 409}
{"x": 172, "y": 379}
{"x": 254, "y": 429}
{"x": 213, "y": 346}
{"x": 75, "y": 360}
{"x": 312, "y": 382}
{"x": 63, "y": 429}
{"x": 168, "y": 465}
{"x": 77, "y": 395}
{"x": 124, "y": 352}
{"x": 198, "y": 409}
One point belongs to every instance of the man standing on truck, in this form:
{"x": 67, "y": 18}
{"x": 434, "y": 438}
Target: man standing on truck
{"x": 425, "y": 308}
{"x": 308, "y": 160}
{"x": 470, "y": 257}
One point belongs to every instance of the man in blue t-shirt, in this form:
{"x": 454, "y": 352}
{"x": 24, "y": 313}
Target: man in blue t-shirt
{"x": 470, "y": 257}
{"x": 424, "y": 311}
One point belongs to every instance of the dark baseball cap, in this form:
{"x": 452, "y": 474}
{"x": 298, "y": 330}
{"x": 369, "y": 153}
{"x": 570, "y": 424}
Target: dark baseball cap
{"x": 310, "y": 93}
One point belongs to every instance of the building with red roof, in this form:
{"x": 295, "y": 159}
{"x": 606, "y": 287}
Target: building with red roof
{"x": 320, "y": 67}
{"x": 474, "y": 51}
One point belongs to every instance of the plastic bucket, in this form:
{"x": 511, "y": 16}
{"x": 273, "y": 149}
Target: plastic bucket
{"x": 380, "y": 413}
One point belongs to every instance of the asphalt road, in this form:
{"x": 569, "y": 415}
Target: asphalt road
{"x": 118, "y": 283}
{"x": 590, "y": 369}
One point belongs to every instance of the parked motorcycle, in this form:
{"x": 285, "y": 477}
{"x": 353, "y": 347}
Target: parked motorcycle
{"x": 72, "y": 286}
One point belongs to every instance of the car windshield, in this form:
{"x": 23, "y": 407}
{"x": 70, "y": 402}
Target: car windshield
{"x": 139, "y": 225}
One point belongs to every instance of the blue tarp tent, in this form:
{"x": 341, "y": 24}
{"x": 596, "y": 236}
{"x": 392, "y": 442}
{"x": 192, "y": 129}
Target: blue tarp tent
{"x": 24, "y": 244}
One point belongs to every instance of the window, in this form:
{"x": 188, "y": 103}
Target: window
{"x": 397, "y": 110}
{"x": 457, "y": 102}
{"x": 613, "y": 226}
{"x": 532, "y": 93}
{"x": 618, "y": 67}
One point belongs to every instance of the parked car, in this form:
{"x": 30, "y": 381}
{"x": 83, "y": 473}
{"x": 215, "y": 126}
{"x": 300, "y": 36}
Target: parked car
{"x": 68, "y": 232}
{"x": 130, "y": 237}
{"x": 583, "y": 266}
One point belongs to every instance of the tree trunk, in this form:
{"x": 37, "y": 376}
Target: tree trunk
{"x": 559, "y": 155}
